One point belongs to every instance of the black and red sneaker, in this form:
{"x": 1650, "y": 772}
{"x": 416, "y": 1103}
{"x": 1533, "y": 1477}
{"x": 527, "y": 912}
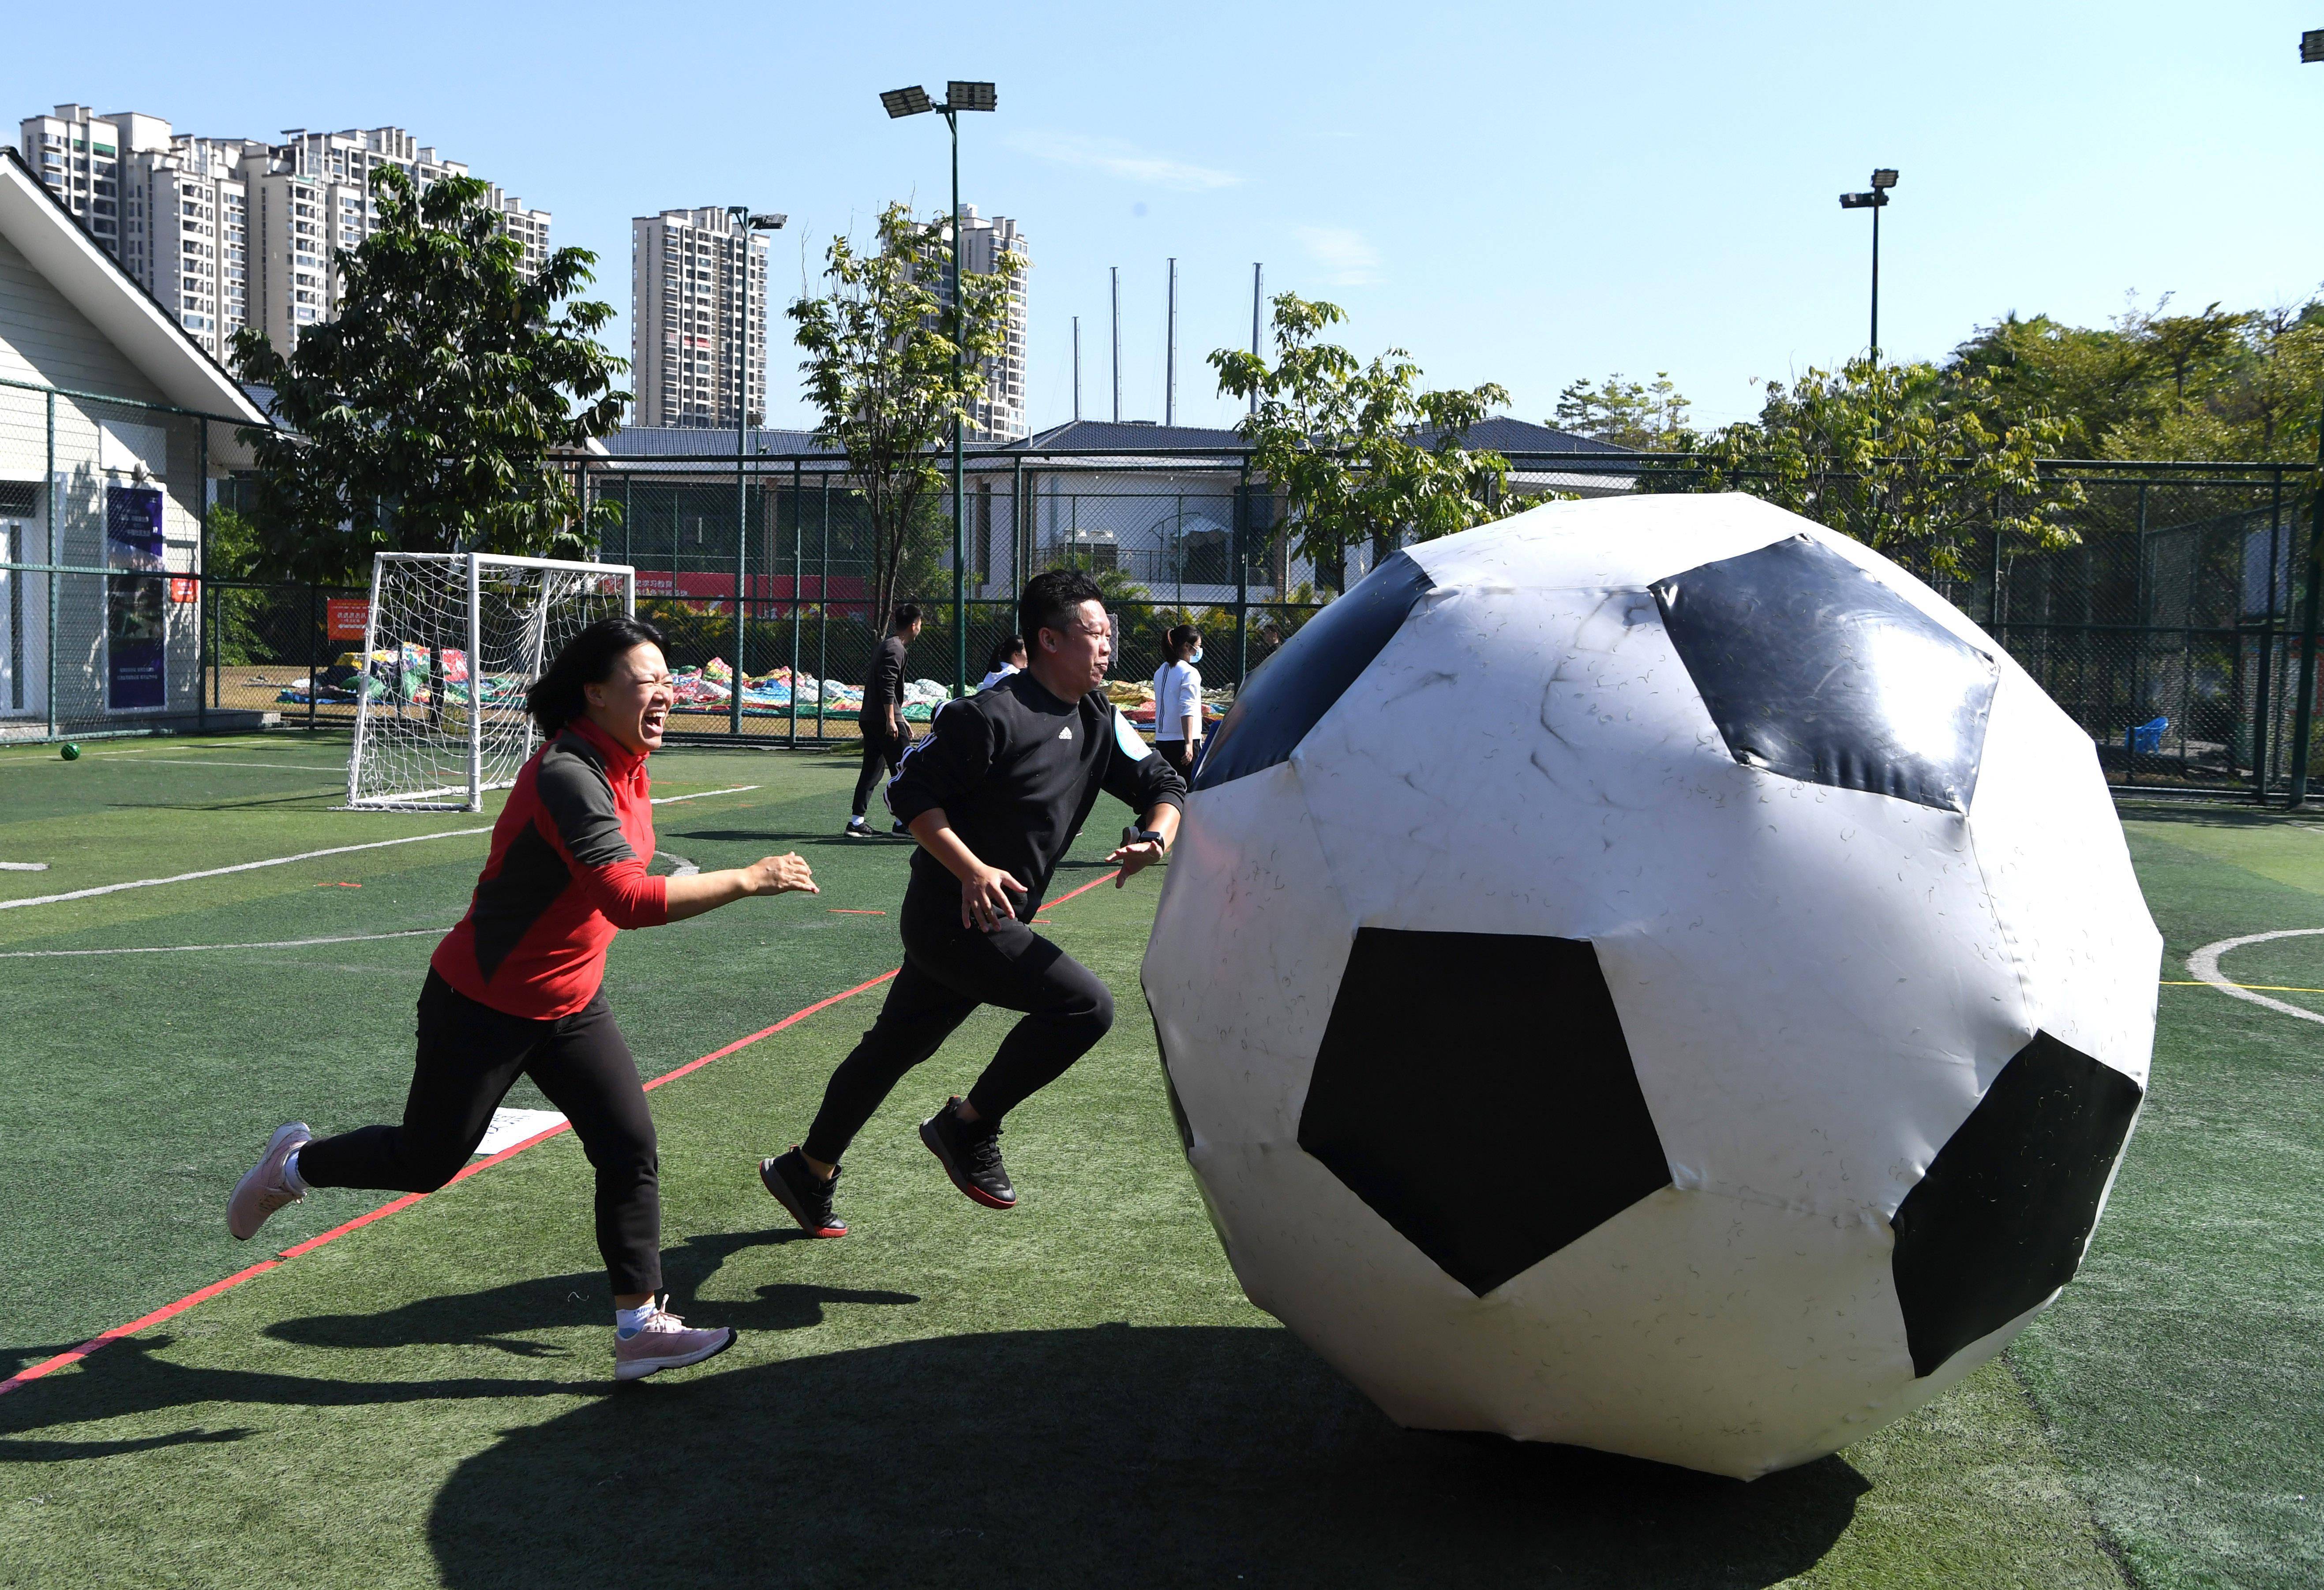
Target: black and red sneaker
{"x": 969, "y": 1152}
{"x": 808, "y": 1196}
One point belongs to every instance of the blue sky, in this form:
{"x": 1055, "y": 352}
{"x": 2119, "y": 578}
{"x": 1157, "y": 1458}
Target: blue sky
{"x": 1522, "y": 193}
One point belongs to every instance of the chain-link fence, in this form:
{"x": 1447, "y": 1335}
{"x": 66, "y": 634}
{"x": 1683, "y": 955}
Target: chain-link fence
{"x": 2170, "y": 630}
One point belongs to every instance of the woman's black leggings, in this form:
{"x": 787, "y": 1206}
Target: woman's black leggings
{"x": 948, "y": 971}
{"x": 470, "y": 1055}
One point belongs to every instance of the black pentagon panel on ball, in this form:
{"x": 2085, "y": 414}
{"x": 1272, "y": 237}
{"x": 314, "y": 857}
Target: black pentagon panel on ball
{"x": 2000, "y": 1220}
{"x": 1476, "y": 1091}
{"x": 1814, "y": 669}
{"x": 1289, "y": 691}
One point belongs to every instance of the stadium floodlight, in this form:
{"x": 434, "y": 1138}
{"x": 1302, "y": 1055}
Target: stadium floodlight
{"x": 2311, "y": 46}
{"x": 768, "y": 223}
{"x": 1876, "y": 199}
{"x": 907, "y": 102}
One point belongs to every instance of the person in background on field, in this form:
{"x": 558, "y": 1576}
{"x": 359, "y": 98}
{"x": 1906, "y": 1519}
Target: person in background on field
{"x": 994, "y": 795}
{"x": 1178, "y": 700}
{"x": 1007, "y": 658}
{"x": 515, "y": 989}
{"x": 885, "y": 732}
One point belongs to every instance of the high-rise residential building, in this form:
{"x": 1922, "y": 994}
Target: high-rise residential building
{"x": 984, "y": 239}
{"x": 233, "y": 231}
{"x": 697, "y": 304}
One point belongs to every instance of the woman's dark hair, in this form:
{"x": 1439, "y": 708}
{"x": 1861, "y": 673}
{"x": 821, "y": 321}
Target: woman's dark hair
{"x": 555, "y": 699}
{"x": 1011, "y": 645}
{"x": 1182, "y": 642}
{"x": 1048, "y": 601}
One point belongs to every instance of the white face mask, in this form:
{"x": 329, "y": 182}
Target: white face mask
{"x": 1195, "y": 656}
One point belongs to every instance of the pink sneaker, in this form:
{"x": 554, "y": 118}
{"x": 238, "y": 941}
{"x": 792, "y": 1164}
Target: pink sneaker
{"x": 263, "y": 1189}
{"x": 666, "y": 1342}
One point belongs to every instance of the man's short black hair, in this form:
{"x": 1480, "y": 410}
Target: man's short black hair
{"x": 905, "y": 615}
{"x": 1049, "y": 600}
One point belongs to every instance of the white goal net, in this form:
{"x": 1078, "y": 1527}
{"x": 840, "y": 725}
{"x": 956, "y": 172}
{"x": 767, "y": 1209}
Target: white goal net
{"x": 452, "y": 642}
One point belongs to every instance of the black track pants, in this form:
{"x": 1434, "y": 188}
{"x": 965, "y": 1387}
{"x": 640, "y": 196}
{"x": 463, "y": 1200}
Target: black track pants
{"x": 470, "y": 1055}
{"x": 881, "y": 752}
{"x": 948, "y": 971}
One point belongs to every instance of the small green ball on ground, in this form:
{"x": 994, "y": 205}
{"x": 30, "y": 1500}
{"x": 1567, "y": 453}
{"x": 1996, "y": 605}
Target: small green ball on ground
{"x": 69, "y": 751}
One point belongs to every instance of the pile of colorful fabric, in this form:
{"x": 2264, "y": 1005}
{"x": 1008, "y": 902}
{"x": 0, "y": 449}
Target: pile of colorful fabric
{"x": 403, "y": 675}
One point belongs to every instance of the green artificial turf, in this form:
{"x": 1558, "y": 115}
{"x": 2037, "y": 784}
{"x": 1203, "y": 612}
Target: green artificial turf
{"x": 1071, "y": 1394}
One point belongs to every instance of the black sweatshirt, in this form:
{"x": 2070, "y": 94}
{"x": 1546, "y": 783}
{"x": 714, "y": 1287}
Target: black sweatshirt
{"x": 1017, "y": 771}
{"x": 885, "y": 687}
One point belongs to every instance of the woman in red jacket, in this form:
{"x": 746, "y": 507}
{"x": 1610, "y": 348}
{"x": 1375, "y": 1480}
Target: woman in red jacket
{"x": 514, "y": 989}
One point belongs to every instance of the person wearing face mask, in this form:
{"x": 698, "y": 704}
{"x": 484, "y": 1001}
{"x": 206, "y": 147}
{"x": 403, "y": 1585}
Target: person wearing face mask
{"x": 1178, "y": 700}
{"x": 994, "y": 794}
{"x": 515, "y": 988}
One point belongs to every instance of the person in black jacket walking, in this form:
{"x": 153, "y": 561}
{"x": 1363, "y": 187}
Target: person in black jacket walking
{"x": 885, "y": 732}
{"x": 994, "y": 795}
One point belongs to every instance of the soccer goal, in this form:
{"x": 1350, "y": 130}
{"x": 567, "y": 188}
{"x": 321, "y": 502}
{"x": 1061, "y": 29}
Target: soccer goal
{"x": 452, "y": 642}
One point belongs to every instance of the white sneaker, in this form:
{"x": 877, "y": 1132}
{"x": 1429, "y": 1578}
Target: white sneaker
{"x": 263, "y": 1189}
{"x": 665, "y": 1342}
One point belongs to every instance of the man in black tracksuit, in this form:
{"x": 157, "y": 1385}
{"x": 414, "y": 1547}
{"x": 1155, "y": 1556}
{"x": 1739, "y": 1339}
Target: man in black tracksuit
{"x": 994, "y": 794}
{"x": 885, "y": 734}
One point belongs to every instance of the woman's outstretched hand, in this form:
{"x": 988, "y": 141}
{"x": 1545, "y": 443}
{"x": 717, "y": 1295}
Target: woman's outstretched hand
{"x": 780, "y": 874}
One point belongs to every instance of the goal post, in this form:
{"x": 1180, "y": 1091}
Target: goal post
{"x": 452, "y": 641}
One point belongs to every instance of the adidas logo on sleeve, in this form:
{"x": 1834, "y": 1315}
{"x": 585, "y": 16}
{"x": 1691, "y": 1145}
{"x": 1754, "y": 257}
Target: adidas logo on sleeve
{"x": 1067, "y": 733}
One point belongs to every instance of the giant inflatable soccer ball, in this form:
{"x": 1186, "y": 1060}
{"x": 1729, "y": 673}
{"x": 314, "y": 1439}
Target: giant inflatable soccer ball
{"x": 1651, "y": 974}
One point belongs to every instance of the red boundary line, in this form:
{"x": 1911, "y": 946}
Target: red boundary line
{"x": 25, "y": 1376}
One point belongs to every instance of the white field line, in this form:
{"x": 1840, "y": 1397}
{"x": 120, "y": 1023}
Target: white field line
{"x": 703, "y": 794}
{"x": 2204, "y": 964}
{"x": 377, "y": 844}
{"x": 23, "y": 865}
{"x": 409, "y": 933}
{"x": 148, "y": 883}
{"x": 222, "y": 762}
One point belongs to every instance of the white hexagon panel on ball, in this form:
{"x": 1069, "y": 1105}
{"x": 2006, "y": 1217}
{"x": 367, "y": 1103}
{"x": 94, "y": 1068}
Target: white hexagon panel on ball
{"x": 1651, "y": 974}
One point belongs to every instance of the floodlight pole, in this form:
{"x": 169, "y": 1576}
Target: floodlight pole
{"x": 746, "y": 225}
{"x": 959, "y": 432}
{"x": 1874, "y": 344}
{"x": 910, "y": 102}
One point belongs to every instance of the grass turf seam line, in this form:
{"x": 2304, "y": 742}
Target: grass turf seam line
{"x": 25, "y": 1376}
{"x": 148, "y": 883}
{"x": 377, "y": 844}
{"x": 405, "y": 933}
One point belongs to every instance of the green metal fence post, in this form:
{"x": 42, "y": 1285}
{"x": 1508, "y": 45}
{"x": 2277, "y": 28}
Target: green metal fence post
{"x": 55, "y": 555}
{"x": 314, "y": 638}
{"x": 798, "y": 572}
{"x": 822, "y": 613}
{"x": 201, "y": 573}
{"x": 1242, "y": 574}
{"x": 2261, "y": 739}
{"x": 2303, "y": 708}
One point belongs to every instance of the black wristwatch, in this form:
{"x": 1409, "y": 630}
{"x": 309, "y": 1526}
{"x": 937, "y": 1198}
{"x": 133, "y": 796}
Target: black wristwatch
{"x": 1145, "y": 836}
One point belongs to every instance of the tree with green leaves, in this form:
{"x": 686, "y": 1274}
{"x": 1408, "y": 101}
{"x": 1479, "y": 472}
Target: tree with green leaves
{"x": 2151, "y": 384}
{"x": 1904, "y": 457}
{"x": 1363, "y": 454}
{"x": 880, "y": 367}
{"x": 1650, "y": 415}
{"x": 428, "y": 416}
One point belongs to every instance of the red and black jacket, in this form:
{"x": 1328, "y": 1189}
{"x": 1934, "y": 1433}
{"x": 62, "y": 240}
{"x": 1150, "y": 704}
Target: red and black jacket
{"x": 568, "y": 869}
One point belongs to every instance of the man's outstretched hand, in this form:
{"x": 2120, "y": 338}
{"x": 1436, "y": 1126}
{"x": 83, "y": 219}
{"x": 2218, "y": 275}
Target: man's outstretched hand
{"x": 1132, "y": 859}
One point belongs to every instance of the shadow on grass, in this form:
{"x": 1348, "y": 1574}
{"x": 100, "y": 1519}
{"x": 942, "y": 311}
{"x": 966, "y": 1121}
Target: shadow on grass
{"x": 2217, "y": 816}
{"x": 498, "y": 1318}
{"x": 1072, "y": 1458}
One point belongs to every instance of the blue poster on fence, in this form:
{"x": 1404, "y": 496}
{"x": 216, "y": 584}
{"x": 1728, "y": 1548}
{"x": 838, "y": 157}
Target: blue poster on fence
{"x": 136, "y": 626}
